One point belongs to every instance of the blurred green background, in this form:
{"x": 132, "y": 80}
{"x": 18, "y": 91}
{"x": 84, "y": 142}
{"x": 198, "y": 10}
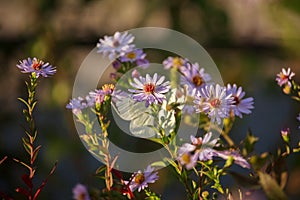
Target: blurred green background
{"x": 250, "y": 41}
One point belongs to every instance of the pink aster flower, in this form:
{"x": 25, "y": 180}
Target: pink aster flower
{"x": 213, "y": 100}
{"x": 117, "y": 45}
{"x": 149, "y": 90}
{"x": 140, "y": 180}
{"x": 36, "y": 66}
{"x": 199, "y": 148}
{"x": 239, "y": 105}
{"x": 80, "y": 193}
{"x": 284, "y": 77}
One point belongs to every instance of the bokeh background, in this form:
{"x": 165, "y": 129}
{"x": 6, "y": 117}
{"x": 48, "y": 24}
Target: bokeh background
{"x": 249, "y": 40}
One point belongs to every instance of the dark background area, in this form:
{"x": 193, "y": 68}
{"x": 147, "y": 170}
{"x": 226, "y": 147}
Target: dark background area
{"x": 249, "y": 40}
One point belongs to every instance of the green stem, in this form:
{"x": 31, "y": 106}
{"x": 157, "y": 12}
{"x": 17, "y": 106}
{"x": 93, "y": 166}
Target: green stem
{"x": 105, "y": 143}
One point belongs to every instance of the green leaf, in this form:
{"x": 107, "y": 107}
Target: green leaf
{"x": 23, "y": 101}
{"x": 229, "y": 162}
{"x": 249, "y": 144}
{"x": 159, "y": 164}
{"x": 26, "y": 145}
{"x": 194, "y": 184}
{"x": 35, "y": 152}
{"x": 100, "y": 169}
{"x": 257, "y": 162}
{"x": 173, "y": 163}
{"x": 271, "y": 188}
{"x": 218, "y": 186}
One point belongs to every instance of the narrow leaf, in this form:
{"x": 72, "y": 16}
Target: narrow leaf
{"x": 27, "y": 181}
{"x": 37, "y": 193}
{"x": 35, "y": 153}
{"x": 3, "y": 159}
{"x": 113, "y": 162}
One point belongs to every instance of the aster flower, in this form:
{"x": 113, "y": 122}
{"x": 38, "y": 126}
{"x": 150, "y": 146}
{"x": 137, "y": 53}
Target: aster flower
{"x": 133, "y": 56}
{"x": 141, "y": 179}
{"x": 99, "y": 95}
{"x": 202, "y": 148}
{"x": 150, "y": 90}
{"x": 188, "y": 160}
{"x": 284, "y": 77}
{"x": 79, "y": 103}
{"x": 194, "y": 76}
{"x": 175, "y": 62}
{"x": 238, "y": 159}
{"x": 117, "y": 45}
{"x": 214, "y": 101}
{"x": 80, "y": 192}
{"x": 36, "y": 66}
{"x": 239, "y": 105}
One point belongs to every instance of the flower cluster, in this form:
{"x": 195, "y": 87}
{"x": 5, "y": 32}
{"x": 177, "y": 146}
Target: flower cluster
{"x": 156, "y": 103}
{"x": 216, "y": 101}
{"x": 202, "y": 150}
{"x": 96, "y": 97}
{"x": 289, "y": 86}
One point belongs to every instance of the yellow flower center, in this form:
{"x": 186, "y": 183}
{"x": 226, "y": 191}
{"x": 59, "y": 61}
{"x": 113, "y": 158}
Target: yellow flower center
{"x": 131, "y": 55}
{"x": 186, "y": 158}
{"x": 149, "y": 88}
{"x": 177, "y": 62}
{"x": 107, "y": 88}
{"x": 139, "y": 178}
{"x": 169, "y": 107}
{"x": 283, "y": 77}
{"x": 197, "y": 80}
